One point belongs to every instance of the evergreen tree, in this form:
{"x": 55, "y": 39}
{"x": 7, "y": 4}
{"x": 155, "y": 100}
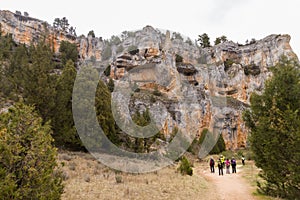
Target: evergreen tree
{"x": 218, "y": 147}
{"x": 61, "y": 24}
{"x": 63, "y": 123}
{"x": 140, "y": 144}
{"x": 7, "y": 47}
{"x": 18, "y": 62}
{"x": 115, "y": 40}
{"x": 27, "y": 159}
{"x": 56, "y": 23}
{"x": 224, "y": 38}
{"x": 64, "y": 24}
{"x": 176, "y": 36}
{"x": 91, "y": 33}
{"x": 83, "y": 109}
{"x": 40, "y": 80}
{"x": 84, "y": 83}
{"x": 274, "y": 122}
{"x": 68, "y": 51}
{"x": 30, "y": 73}
{"x": 104, "y": 112}
{"x": 204, "y": 40}
{"x": 220, "y": 40}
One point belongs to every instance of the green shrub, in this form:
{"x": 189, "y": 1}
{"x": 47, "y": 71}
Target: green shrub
{"x": 27, "y": 158}
{"x": 185, "y": 167}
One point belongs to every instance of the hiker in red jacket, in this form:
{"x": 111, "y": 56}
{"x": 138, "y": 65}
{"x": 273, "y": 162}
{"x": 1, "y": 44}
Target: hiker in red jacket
{"x": 227, "y": 164}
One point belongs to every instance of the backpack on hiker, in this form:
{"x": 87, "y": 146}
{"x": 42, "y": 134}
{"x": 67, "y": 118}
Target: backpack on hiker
{"x": 233, "y": 162}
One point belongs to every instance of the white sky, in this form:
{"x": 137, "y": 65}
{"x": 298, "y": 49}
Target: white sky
{"x": 239, "y": 20}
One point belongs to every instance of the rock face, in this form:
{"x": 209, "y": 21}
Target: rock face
{"x": 219, "y": 80}
{"x": 183, "y": 85}
{"x": 28, "y": 30}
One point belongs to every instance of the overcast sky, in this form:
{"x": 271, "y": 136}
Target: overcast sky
{"x": 239, "y": 20}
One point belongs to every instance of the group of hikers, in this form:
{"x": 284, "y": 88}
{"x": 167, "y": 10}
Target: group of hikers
{"x": 224, "y": 163}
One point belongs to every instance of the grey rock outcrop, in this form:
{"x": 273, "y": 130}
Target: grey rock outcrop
{"x": 198, "y": 88}
{"x": 219, "y": 79}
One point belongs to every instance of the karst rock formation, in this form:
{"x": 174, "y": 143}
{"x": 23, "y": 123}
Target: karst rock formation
{"x": 197, "y": 87}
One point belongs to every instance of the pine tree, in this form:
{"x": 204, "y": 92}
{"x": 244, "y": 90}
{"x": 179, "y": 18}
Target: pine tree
{"x": 27, "y": 159}
{"x": 40, "y": 80}
{"x": 220, "y": 40}
{"x": 140, "y": 144}
{"x": 204, "y": 40}
{"x": 91, "y": 33}
{"x": 274, "y": 122}
{"x": 18, "y": 62}
{"x": 68, "y": 51}
{"x": 7, "y": 46}
{"x": 85, "y": 108}
{"x": 63, "y": 123}
{"x": 219, "y": 145}
{"x": 104, "y": 112}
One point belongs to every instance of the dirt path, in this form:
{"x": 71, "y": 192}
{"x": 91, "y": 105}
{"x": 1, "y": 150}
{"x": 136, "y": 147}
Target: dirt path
{"x": 229, "y": 186}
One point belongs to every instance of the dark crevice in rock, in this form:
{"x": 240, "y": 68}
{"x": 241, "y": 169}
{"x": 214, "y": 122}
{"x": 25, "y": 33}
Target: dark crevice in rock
{"x": 134, "y": 52}
{"x": 125, "y": 57}
{"x": 252, "y": 69}
{"x": 186, "y": 69}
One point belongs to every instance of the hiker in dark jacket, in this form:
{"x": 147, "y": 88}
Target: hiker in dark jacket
{"x": 233, "y": 165}
{"x": 220, "y": 167}
{"x": 212, "y": 165}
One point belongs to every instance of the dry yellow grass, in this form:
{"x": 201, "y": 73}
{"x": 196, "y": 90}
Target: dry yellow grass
{"x": 88, "y": 179}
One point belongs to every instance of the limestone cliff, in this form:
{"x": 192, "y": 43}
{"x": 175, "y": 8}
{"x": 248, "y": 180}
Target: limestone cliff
{"x": 220, "y": 79}
{"x": 197, "y": 88}
{"x": 28, "y": 30}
